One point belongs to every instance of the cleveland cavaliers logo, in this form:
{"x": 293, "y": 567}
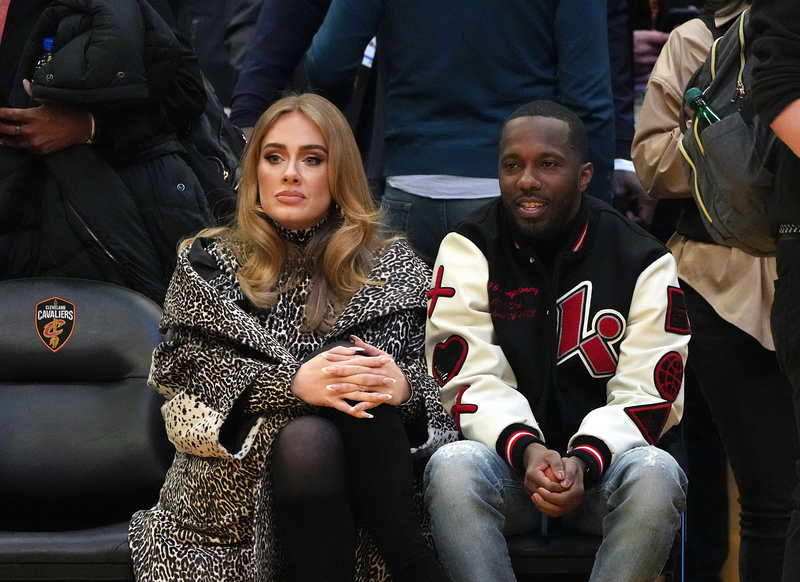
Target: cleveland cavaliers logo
{"x": 55, "y": 320}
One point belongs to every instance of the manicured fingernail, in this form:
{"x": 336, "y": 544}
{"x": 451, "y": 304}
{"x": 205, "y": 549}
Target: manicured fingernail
{"x": 368, "y": 415}
{"x": 389, "y": 380}
{"x": 358, "y": 349}
{"x": 356, "y": 338}
{"x": 331, "y": 386}
{"x": 561, "y": 475}
{"x": 385, "y": 360}
{"x": 326, "y": 355}
{"x": 386, "y": 396}
{"x": 329, "y": 369}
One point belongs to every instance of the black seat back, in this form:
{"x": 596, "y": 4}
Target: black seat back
{"x": 82, "y": 442}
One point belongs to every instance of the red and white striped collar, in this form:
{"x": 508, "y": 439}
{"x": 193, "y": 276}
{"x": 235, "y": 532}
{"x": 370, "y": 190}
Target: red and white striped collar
{"x": 578, "y": 243}
{"x": 581, "y": 239}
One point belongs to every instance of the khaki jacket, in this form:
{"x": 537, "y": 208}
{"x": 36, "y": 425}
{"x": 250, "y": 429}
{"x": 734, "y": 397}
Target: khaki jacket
{"x": 738, "y": 286}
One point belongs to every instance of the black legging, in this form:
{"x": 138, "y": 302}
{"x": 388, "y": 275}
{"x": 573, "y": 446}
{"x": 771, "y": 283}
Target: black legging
{"x": 751, "y": 402}
{"x": 332, "y": 471}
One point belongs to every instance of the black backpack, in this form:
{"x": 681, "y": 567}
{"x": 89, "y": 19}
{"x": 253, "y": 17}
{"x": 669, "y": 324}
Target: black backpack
{"x": 731, "y": 163}
{"x": 214, "y": 147}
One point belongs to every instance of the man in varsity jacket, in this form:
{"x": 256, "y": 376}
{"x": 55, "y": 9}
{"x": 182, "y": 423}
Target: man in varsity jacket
{"x": 558, "y": 333}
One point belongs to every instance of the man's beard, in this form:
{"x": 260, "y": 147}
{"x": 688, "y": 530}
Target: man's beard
{"x": 528, "y": 231}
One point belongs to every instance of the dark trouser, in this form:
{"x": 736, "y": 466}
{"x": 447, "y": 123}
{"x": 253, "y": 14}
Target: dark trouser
{"x": 786, "y": 332}
{"x": 786, "y": 323}
{"x": 333, "y": 471}
{"x": 426, "y": 221}
{"x": 706, "y": 544}
{"x": 752, "y": 405}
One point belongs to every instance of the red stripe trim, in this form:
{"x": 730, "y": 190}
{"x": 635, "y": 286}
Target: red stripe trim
{"x": 579, "y": 245}
{"x": 4, "y": 4}
{"x": 595, "y": 453}
{"x": 513, "y": 439}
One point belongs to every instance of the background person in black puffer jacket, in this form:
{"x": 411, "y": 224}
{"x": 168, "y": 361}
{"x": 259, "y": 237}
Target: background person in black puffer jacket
{"x": 116, "y": 208}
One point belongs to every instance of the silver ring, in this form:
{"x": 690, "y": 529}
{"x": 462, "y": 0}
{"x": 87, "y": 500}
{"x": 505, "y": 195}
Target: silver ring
{"x": 18, "y": 129}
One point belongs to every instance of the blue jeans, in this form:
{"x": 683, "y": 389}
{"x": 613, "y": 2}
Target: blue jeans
{"x": 475, "y": 499}
{"x": 425, "y": 221}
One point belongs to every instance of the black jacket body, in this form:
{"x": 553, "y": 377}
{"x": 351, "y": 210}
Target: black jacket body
{"x": 116, "y": 210}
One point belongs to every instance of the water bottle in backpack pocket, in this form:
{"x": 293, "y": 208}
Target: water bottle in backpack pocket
{"x": 731, "y": 162}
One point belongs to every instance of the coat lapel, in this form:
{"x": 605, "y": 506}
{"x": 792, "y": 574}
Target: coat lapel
{"x": 193, "y": 301}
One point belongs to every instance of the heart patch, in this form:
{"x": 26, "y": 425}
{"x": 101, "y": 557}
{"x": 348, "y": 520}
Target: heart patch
{"x": 448, "y": 357}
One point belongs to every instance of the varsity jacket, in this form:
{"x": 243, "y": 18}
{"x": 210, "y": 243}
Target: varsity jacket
{"x": 587, "y": 359}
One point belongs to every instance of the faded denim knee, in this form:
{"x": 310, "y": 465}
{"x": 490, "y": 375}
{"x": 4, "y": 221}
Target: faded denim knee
{"x": 652, "y": 479}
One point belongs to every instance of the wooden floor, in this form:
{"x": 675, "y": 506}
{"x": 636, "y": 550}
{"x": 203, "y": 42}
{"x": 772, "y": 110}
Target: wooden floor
{"x": 730, "y": 572}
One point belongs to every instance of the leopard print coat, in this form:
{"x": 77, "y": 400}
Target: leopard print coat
{"x": 214, "y": 519}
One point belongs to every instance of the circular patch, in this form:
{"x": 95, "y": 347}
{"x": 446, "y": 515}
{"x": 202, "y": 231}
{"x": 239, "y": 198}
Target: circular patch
{"x": 609, "y": 327}
{"x": 668, "y": 376}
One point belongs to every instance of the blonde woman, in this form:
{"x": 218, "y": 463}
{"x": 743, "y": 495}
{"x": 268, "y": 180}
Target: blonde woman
{"x": 297, "y": 394}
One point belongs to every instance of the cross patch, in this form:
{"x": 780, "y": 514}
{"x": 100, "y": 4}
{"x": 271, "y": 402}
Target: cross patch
{"x": 438, "y": 291}
{"x": 458, "y": 409}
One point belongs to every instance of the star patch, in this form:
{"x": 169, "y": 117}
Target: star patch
{"x": 668, "y": 376}
{"x": 677, "y": 316}
{"x": 650, "y": 419}
{"x": 448, "y": 357}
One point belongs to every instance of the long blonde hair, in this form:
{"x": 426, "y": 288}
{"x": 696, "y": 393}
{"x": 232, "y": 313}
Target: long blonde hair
{"x": 347, "y": 242}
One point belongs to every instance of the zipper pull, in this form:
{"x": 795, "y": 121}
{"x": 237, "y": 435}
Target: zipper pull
{"x": 739, "y": 92}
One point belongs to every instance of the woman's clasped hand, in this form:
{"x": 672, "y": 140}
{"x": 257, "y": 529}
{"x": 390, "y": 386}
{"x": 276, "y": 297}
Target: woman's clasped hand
{"x": 351, "y": 379}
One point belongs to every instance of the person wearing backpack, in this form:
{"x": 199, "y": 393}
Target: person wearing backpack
{"x": 777, "y": 99}
{"x": 777, "y": 95}
{"x": 729, "y": 296}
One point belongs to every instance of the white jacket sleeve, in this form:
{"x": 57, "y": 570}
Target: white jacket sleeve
{"x": 478, "y": 386}
{"x": 645, "y": 395}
